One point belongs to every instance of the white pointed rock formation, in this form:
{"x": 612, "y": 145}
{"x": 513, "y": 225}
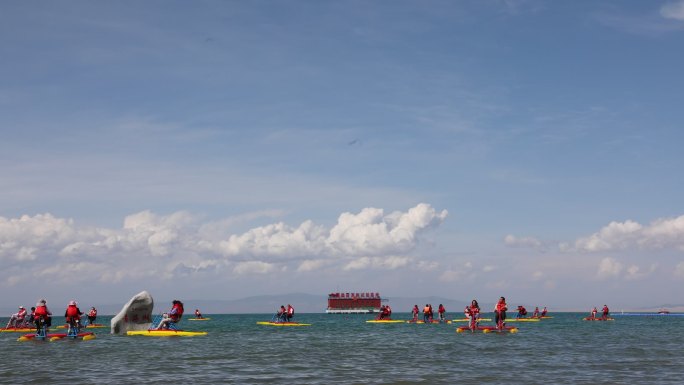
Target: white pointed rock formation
{"x": 135, "y": 315}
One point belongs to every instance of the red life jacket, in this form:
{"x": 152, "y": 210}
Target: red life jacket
{"x": 72, "y": 311}
{"x": 290, "y": 311}
{"x": 41, "y": 311}
{"x": 473, "y": 310}
{"x": 501, "y": 306}
{"x": 176, "y": 316}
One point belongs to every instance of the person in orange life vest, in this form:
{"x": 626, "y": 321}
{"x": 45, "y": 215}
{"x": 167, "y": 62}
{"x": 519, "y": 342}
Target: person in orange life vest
{"x": 73, "y": 315}
{"x": 543, "y": 313}
{"x": 290, "y": 312}
{"x": 172, "y": 317}
{"x": 17, "y": 318}
{"x": 500, "y": 312}
{"x": 605, "y": 312}
{"x": 42, "y": 315}
{"x": 594, "y": 311}
{"x": 92, "y": 315}
{"x": 415, "y": 312}
{"x": 426, "y": 313}
{"x": 198, "y": 314}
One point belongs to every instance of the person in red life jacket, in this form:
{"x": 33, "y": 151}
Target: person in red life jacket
{"x": 594, "y": 311}
{"x": 42, "y": 315}
{"x": 389, "y": 311}
{"x": 473, "y": 312}
{"x": 415, "y": 312}
{"x": 73, "y": 315}
{"x": 92, "y": 315}
{"x": 535, "y": 314}
{"x": 198, "y": 315}
{"x": 290, "y": 312}
{"x": 441, "y": 310}
{"x": 522, "y": 312}
{"x": 281, "y": 314}
{"x": 543, "y": 313}
{"x": 605, "y": 312}
{"x": 172, "y": 317}
{"x": 17, "y": 318}
{"x": 384, "y": 312}
{"x": 500, "y": 312}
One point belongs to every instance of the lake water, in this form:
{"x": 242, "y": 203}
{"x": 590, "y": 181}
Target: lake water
{"x": 344, "y": 349}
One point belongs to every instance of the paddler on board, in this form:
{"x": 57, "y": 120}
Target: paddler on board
{"x": 384, "y": 312}
{"x": 522, "y": 312}
{"x": 426, "y": 314}
{"x": 73, "y": 316}
{"x": 92, "y": 315}
{"x": 172, "y": 317}
{"x": 290, "y": 312}
{"x": 500, "y": 313}
{"x": 594, "y": 311}
{"x": 535, "y": 314}
{"x": 441, "y": 310}
{"x": 17, "y": 318}
{"x": 605, "y": 311}
{"x": 42, "y": 315}
{"x": 415, "y": 312}
{"x": 198, "y": 314}
{"x": 473, "y": 314}
{"x": 281, "y": 315}
{"x": 544, "y": 311}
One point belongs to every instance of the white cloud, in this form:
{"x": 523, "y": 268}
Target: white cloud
{"x": 662, "y": 233}
{"x": 673, "y": 10}
{"x": 253, "y": 267}
{"x": 163, "y": 246}
{"x": 513, "y": 241}
{"x": 609, "y": 268}
{"x": 679, "y": 270}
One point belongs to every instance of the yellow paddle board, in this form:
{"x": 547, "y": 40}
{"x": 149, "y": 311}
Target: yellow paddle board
{"x": 269, "y": 323}
{"x": 164, "y": 333}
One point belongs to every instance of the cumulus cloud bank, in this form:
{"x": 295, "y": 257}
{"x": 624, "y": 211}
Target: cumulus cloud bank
{"x": 662, "y": 233}
{"x": 150, "y": 245}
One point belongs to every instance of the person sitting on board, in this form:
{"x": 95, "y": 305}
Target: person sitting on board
{"x": 42, "y": 315}
{"x": 594, "y": 311}
{"x": 172, "y": 317}
{"x": 543, "y": 313}
{"x": 604, "y": 316}
{"x": 415, "y": 312}
{"x": 290, "y": 312}
{"x": 92, "y": 315}
{"x": 441, "y": 310}
{"x": 500, "y": 312}
{"x": 73, "y": 315}
{"x": 17, "y": 318}
{"x": 522, "y": 312}
{"x": 535, "y": 314}
{"x": 384, "y": 312}
{"x": 198, "y": 315}
{"x": 473, "y": 311}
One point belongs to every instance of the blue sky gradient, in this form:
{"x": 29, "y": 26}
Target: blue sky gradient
{"x": 533, "y": 149}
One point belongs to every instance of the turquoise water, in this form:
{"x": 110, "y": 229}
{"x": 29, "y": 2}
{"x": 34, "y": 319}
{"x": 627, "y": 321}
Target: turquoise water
{"x": 344, "y": 349}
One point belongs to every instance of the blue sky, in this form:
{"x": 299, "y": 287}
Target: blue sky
{"x": 467, "y": 149}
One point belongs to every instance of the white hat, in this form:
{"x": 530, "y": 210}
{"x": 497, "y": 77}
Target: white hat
{"x": 72, "y": 303}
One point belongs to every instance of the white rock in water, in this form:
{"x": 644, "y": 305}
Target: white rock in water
{"x": 135, "y": 315}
